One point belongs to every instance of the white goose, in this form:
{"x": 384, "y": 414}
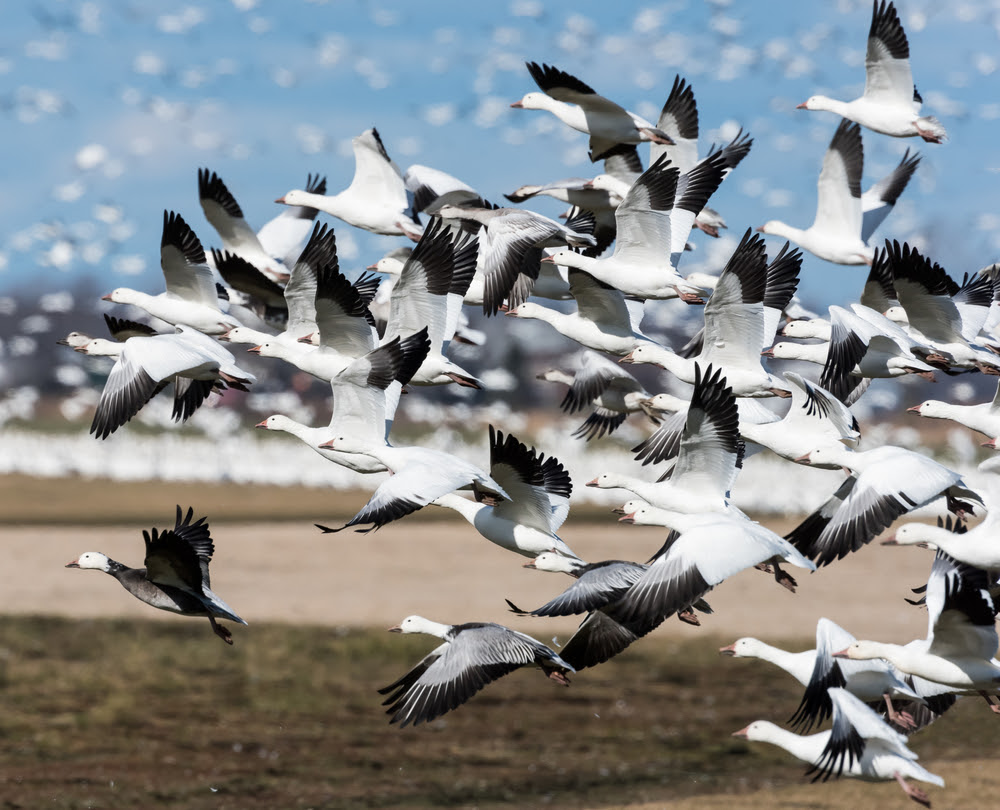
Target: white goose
{"x": 238, "y": 238}
{"x": 191, "y": 298}
{"x": 983, "y": 417}
{"x": 428, "y": 294}
{"x": 377, "y": 198}
{"x": 653, "y": 224}
{"x": 509, "y": 240}
{"x": 735, "y": 323}
{"x": 194, "y": 362}
{"x": 473, "y": 655}
{"x": 859, "y": 745}
{"x": 285, "y": 236}
{"x": 604, "y": 321}
{"x": 961, "y": 637}
{"x": 578, "y": 106}
{"x": 420, "y": 476}
{"x": 846, "y": 218}
{"x": 539, "y": 490}
{"x": 890, "y": 103}
{"x": 885, "y": 483}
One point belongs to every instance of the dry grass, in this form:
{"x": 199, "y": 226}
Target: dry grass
{"x": 117, "y": 714}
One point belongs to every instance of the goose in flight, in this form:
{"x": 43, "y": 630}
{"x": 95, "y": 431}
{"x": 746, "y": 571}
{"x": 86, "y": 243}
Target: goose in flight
{"x": 175, "y": 577}
{"x": 539, "y": 490}
{"x": 472, "y": 655}
{"x": 191, "y": 297}
{"x": 846, "y": 218}
{"x": 860, "y": 745}
{"x": 579, "y": 106}
{"x": 377, "y": 198}
{"x": 890, "y": 103}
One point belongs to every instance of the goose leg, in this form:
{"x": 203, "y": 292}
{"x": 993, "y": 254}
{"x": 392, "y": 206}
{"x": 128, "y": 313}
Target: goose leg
{"x": 914, "y": 793}
{"x": 902, "y": 719}
{"x": 784, "y": 579}
{"x": 221, "y": 631}
{"x": 688, "y": 616}
{"x": 989, "y": 702}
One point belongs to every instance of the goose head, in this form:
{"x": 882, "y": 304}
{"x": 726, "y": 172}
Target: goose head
{"x": 91, "y": 559}
{"x": 347, "y": 444}
{"x": 746, "y": 647}
{"x": 551, "y": 561}
{"x": 816, "y": 103}
{"x": 418, "y": 624}
{"x": 532, "y": 101}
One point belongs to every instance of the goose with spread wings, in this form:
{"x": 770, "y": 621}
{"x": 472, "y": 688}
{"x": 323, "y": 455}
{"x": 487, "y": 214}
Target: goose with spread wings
{"x": 579, "y": 106}
{"x": 890, "y": 103}
{"x": 472, "y": 655}
{"x": 175, "y": 577}
{"x": 846, "y": 218}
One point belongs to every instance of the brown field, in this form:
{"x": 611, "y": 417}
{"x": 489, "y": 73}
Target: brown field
{"x": 110, "y": 704}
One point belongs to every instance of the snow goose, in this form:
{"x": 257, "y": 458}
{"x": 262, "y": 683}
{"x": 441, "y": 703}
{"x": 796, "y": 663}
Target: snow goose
{"x": 191, "y": 296}
{"x": 846, "y": 218}
{"x": 875, "y": 682}
{"x": 859, "y": 745}
{"x": 597, "y": 585}
{"x": 884, "y": 483}
{"x": 983, "y": 418}
{"x": 377, "y": 198}
{"x": 428, "y": 294}
{"x": 175, "y": 577}
{"x": 360, "y": 402}
{"x": 285, "y": 236}
{"x": 604, "y": 321}
{"x": 858, "y": 351}
{"x": 472, "y": 655}
{"x": 579, "y": 106}
{"x": 708, "y": 459}
{"x": 264, "y": 296}
{"x": 539, "y": 490}
{"x": 238, "y": 238}
{"x": 976, "y": 546}
{"x": 735, "y": 323}
{"x": 145, "y": 365}
{"x": 605, "y": 386}
{"x": 961, "y": 638}
{"x": 346, "y": 329}
{"x": 709, "y": 549}
{"x": 420, "y": 475}
{"x": 510, "y": 238}
{"x": 890, "y": 103}
{"x": 653, "y": 223}
{"x": 936, "y": 307}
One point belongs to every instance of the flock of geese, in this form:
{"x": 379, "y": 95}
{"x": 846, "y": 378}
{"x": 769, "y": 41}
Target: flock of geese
{"x": 280, "y": 292}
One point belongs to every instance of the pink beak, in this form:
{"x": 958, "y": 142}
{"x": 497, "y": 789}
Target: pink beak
{"x": 841, "y": 654}
{"x": 106, "y": 297}
{"x": 261, "y": 424}
{"x": 281, "y": 200}
{"x": 629, "y": 518}
{"x": 803, "y": 459}
{"x": 914, "y": 409}
{"x": 801, "y": 106}
{"x": 767, "y": 353}
{"x": 328, "y": 445}
{"x": 743, "y": 732}
{"x": 592, "y": 483}
{"x": 254, "y": 350}
{"x": 517, "y": 105}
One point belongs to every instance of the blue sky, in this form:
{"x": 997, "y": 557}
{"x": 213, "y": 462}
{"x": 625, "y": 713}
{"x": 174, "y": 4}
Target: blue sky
{"x": 111, "y": 107}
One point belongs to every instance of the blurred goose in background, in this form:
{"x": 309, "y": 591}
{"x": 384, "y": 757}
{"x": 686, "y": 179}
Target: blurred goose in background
{"x": 376, "y": 200}
{"x": 579, "y": 106}
{"x": 860, "y": 745}
{"x": 472, "y": 655}
{"x": 175, "y": 577}
{"x": 890, "y": 103}
{"x": 599, "y": 383}
{"x": 191, "y": 298}
{"x": 846, "y": 219}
